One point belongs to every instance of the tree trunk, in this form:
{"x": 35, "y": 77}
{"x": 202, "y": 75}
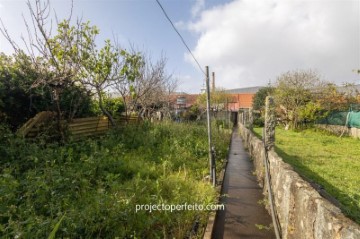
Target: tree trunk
{"x": 105, "y": 112}
{"x": 58, "y": 119}
{"x": 126, "y": 106}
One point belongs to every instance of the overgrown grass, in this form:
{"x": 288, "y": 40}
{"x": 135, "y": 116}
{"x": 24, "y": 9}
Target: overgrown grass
{"x": 97, "y": 183}
{"x": 328, "y": 160}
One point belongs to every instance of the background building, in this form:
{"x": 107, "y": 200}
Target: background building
{"x": 240, "y": 98}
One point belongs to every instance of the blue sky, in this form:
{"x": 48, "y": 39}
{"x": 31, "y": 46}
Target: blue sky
{"x": 246, "y": 42}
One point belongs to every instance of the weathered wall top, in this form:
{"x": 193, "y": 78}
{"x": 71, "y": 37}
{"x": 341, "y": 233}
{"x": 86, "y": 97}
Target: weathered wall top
{"x": 302, "y": 211}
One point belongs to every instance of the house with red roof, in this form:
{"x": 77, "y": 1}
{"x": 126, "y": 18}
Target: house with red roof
{"x": 241, "y": 98}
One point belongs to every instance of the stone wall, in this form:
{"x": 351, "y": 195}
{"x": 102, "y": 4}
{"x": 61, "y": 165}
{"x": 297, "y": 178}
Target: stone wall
{"x": 301, "y": 211}
{"x": 355, "y": 132}
{"x": 339, "y": 130}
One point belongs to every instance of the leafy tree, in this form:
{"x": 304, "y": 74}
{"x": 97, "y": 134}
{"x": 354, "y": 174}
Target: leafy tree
{"x": 193, "y": 113}
{"x": 303, "y": 97}
{"x": 19, "y": 101}
{"x": 218, "y": 99}
{"x": 311, "y": 112}
{"x": 54, "y": 68}
{"x": 328, "y": 98}
{"x": 14, "y": 99}
{"x": 260, "y": 96}
{"x": 97, "y": 69}
{"x": 294, "y": 90}
{"x": 259, "y": 105}
{"x": 334, "y": 98}
{"x": 115, "y": 106}
{"x": 71, "y": 58}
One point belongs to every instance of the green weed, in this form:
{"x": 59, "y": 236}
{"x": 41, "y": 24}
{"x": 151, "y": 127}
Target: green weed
{"x": 97, "y": 183}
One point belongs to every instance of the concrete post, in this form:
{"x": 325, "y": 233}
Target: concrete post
{"x": 247, "y": 118}
{"x": 270, "y": 123}
{"x": 251, "y": 118}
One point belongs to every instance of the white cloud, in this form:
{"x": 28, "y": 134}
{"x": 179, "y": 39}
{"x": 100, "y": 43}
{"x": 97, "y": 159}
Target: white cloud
{"x": 197, "y": 7}
{"x": 248, "y": 42}
{"x": 180, "y": 25}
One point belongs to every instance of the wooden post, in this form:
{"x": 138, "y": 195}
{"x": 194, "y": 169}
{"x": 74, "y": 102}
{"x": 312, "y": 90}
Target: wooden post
{"x": 211, "y": 160}
{"x": 270, "y": 123}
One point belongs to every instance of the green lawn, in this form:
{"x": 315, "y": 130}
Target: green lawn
{"x": 328, "y": 160}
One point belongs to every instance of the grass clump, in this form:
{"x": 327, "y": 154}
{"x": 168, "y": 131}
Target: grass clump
{"x": 93, "y": 186}
{"x": 326, "y": 159}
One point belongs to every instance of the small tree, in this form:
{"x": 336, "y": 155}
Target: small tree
{"x": 149, "y": 90}
{"x": 54, "y": 68}
{"x": 260, "y": 96}
{"x": 294, "y": 90}
{"x": 19, "y": 101}
{"x": 71, "y": 57}
{"x": 218, "y": 99}
{"x": 334, "y": 98}
{"x": 258, "y": 105}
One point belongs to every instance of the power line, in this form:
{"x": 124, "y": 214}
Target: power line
{"x": 182, "y": 39}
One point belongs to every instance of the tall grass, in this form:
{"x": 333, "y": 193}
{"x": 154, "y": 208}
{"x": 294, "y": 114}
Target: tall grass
{"x": 97, "y": 183}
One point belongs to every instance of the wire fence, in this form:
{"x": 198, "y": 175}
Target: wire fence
{"x": 350, "y": 119}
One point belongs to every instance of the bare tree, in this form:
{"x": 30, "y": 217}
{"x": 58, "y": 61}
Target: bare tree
{"x": 149, "y": 92}
{"x": 170, "y": 86}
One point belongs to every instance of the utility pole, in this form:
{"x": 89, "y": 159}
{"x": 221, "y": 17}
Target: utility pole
{"x": 211, "y": 150}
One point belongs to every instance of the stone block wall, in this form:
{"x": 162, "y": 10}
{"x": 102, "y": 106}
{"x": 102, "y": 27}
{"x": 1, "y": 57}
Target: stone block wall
{"x": 355, "y": 132}
{"x": 339, "y": 130}
{"x": 302, "y": 212}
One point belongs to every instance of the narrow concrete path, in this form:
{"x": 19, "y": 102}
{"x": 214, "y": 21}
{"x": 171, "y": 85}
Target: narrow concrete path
{"x": 242, "y": 209}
